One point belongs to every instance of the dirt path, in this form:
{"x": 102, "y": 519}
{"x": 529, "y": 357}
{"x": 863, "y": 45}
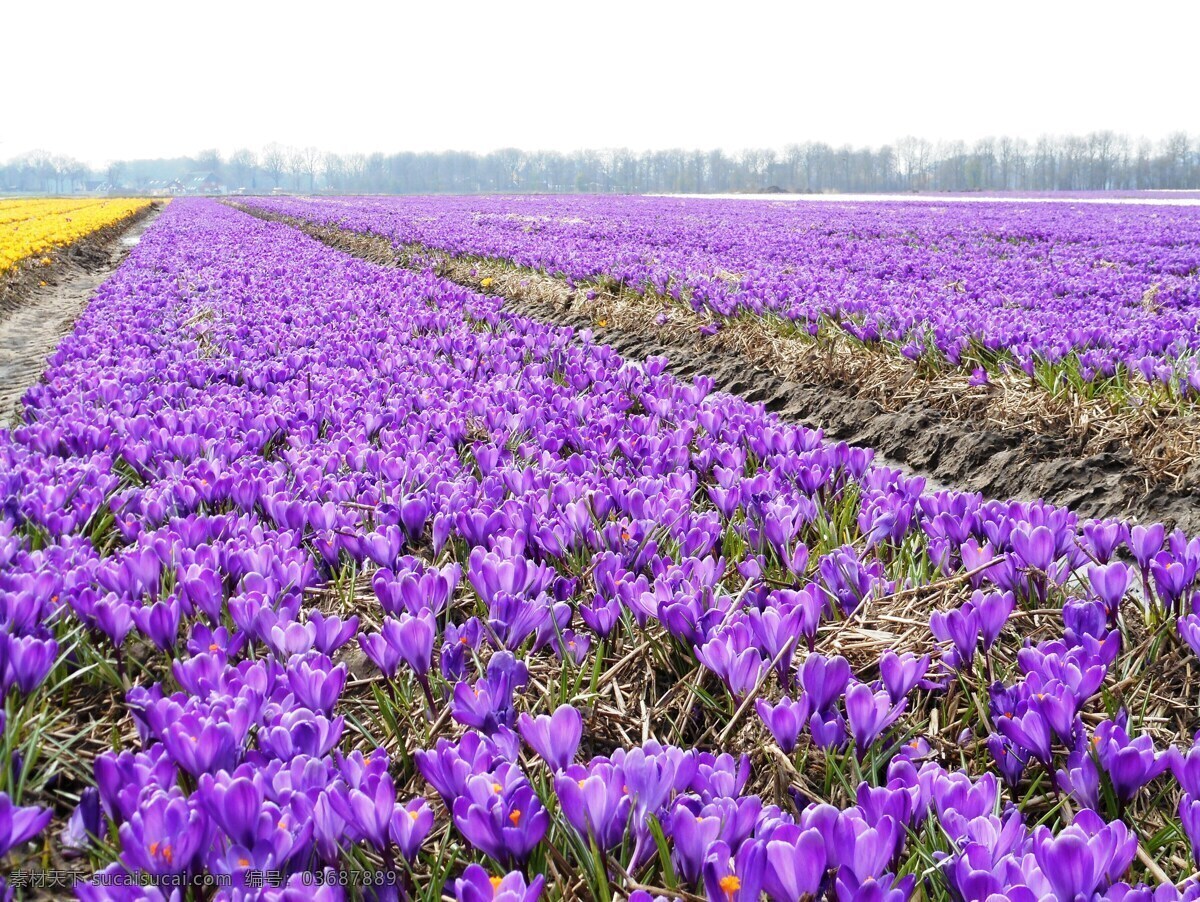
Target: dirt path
{"x": 32, "y": 329}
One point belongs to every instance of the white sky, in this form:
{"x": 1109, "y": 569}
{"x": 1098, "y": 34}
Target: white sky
{"x": 101, "y": 80}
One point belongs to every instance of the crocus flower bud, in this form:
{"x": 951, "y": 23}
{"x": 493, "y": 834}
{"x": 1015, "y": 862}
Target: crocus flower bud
{"x": 554, "y": 737}
{"x": 785, "y": 720}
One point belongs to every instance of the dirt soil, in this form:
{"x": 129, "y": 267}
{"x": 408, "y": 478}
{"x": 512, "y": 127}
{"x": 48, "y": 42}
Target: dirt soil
{"x": 34, "y": 317}
{"x": 919, "y": 437}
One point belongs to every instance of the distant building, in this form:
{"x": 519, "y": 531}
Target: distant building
{"x": 202, "y": 183}
{"x": 164, "y": 188}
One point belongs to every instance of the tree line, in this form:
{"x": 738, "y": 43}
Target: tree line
{"x": 1098, "y": 161}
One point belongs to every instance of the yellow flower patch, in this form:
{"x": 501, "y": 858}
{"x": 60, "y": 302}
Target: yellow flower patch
{"x": 33, "y": 226}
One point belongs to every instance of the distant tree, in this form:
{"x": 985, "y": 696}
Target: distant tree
{"x": 208, "y": 161}
{"x": 295, "y": 166}
{"x": 274, "y": 163}
{"x": 335, "y": 172}
{"x": 310, "y": 162}
{"x": 114, "y": 173}
{"x": 77, "y": 173}
{"x": 244, "y": 166}
{"x": 1096, "y": 161}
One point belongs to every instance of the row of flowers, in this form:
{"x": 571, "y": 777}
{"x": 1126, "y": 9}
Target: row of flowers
{"x": 248, "y": 431}
{"x": 1101, "y": 288}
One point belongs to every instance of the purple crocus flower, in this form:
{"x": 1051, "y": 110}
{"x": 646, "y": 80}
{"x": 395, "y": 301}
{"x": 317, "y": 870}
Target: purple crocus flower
{"x": 122, "y": 777}
{"x": 83, "y": 827}
{"x": 233, "y": 804}
{"x": 1085, "y": 857}
{"x": 885, "y": 888}
{"x": 1129, "y": 763}
{"x": 1080, "y": 777}
{"x": 739, "y": 669}
{"x": 828, "y": 730}
{"x": 824, "y": 680}
{"x": 1034, "y": 547}
{"x": 776, "y": 632}
{"x": 114, "y": 618}
{"x": 488, "y": 704}
{"x": 1104, "y": 536}
{"x": 368, "y": 808}
{"x": 19, "y": 825}
{"x": 652, "y": 772}
{"x": 959, "y": 799}
{"x": 1009, "y": 761}
{"x": 164, "y": 835}
{"x": 572, "y": 646}
{"x": 896, "y": 800}
{"x": 30, "y": 660}
{"x": 383, "y": 653}
{"x": 448, "y": 766}
{"x": 383, "y": 547}
{"x": 458, "y": 642}
{"x": 595, "y": 803}
{"x": 300, "y": 732}
{"x": 409, "y": 826}
{"x": 159, "y": 622}
{"x": 785, "y": 719}
{"x": 1057, "y": 705}
{"x": 316, "y": 683}
{"x": 200, "y": 744}
{"x": 993, "y": 610}
{"x": 554, "y": 737}
{"x": 476, "y": 886}
{"x": 1029, "y": 732}
{"x": 414, "y": 511}
{"x": 500, "y": 815}
{"x": 795, "y": 863}
{"x": 1189, "y": 631}
{"x": 1189, "y": 817}
{"x": 330, "y": 632}
{"x": 414, "y": 640}
{"x": 869, "y": 713}
{"x": 900, "y": 673}
{"x": 1171, "y": 578}
{"x": 1145, "y": 542}
{"x": 866, "y": 850}
{"x": 1110, "y": 582}
{"x": 734, "y": 877}
{"x": 692, "y": 835}
{"x": 1185, "y": 766}
{"x": 287, "y": 637}
{"x": 958, "y": 627}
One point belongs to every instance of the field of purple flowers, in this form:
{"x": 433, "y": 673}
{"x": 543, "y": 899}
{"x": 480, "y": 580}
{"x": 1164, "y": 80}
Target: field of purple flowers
{"x": 1104, "y": 295}
{"x": 339, "y": 579}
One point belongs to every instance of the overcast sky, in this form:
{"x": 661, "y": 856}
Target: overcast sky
{"x": 104, "y": 80}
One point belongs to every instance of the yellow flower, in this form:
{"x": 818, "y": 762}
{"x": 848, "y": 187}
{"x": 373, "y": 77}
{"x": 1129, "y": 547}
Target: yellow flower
{"x": 486, "y": 282}
{"x": 30, "y": 228}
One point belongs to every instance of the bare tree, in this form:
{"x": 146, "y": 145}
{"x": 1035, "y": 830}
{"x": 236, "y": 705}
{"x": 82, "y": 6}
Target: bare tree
{"x": 335, "y": 172}
{"x": 274, "y": 162}
{"x": 1097, "y": 161}
{"x": 208, "y": 161}
{"x": 310, "y": 159}
{"x": 244, "y": 164}
{"x": 114, "y": 174}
